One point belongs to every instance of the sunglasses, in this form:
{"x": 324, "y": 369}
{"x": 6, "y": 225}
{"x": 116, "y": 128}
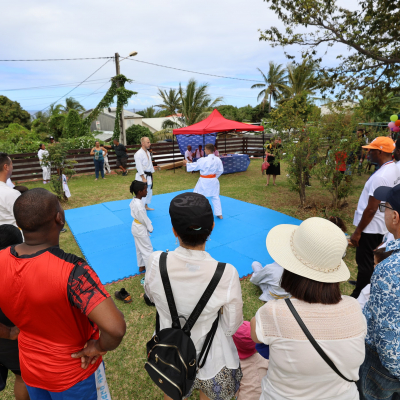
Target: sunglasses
{"x": 382, "y": 207}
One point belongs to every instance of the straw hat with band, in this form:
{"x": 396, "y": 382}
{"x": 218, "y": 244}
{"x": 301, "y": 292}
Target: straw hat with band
{"x": 382, "y": 143}
{"x": 313, "y": 250}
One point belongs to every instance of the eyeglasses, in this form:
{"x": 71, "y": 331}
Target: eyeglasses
{"x": 382, "y": 207}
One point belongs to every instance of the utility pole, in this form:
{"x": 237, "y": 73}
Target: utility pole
{"x": 122, "y": 125}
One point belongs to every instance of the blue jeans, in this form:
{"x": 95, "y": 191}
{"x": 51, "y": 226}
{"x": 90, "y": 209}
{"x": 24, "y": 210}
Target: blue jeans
{"x": 376, "y": 382}
{"x": 99, "y": 166}
{"x": 84, "y": 390}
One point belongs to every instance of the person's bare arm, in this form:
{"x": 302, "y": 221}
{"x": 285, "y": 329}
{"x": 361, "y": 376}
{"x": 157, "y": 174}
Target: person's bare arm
{"x": 92, "y": 152}
{"x": 253, "y": 325}
{"x": 112, "y": 328}
{"x": 105, "y": 151}
{"x": 368, "y": 214}
{"x": 8, "y": 333}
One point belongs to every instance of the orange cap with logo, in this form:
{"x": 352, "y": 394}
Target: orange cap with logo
{"x": 382, "y": 143}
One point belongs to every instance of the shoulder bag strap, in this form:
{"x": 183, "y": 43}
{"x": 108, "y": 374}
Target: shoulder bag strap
{"x": 168, "y": 291}
{"x": 207, "y": 343}
{"x": 313, "y": 341}
{"x": 204, "y": 298}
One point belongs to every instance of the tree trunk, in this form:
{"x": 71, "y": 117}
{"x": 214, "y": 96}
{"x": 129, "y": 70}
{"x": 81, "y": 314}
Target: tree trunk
{"x": 270, "y": 98}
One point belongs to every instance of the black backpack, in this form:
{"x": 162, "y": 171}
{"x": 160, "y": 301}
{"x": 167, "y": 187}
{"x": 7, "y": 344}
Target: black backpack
{"x": 171, "y": 355}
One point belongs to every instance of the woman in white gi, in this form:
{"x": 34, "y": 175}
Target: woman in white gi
{"x": 141, "y": 225}
{"x": 45, "y": 168}
{"x": 145, "y": 170}
{"x": 211, "y": 169}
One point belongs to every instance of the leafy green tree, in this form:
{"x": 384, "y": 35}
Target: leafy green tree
{"x": 73, "y": 125}
{"x": 375, "y": 110}
{"x": 12, "y": 112}
{"x": 171, "y": 102}
{"x": 370, "y": 31}
{"x": 301, "y": 79}
{"x": 56, "y": 125}
{"x": 72, "y": 104}
{"x": 229, "y": 112}
{"x": 149, "y": 112}
{"x": 135, "y": 132}
{"x": 274, "y": 86}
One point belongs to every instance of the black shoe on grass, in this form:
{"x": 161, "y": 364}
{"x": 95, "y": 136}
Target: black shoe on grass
{"x": 123, "y": 295}
{"x": 148, "y": 301}
{"x": 354, "y": 283}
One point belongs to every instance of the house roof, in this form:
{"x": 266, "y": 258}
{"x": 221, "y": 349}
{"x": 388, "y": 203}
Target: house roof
{"x": 155, "y": 123}
{"x": 127, "y": 113}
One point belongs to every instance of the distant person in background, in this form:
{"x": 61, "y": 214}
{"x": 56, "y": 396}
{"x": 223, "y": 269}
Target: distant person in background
{"x": 98, "y": 158}
{"x": 52, "y": 140}
{"x": 199, "y": 152}
{"x": 188, "y": 154}
{"x": 122, "y": 156}
{"x": 360, "y": 152}
{"x": 45, "y": 167}
{"x": 274, "y": 169}
{"x": 396, "y": 153}
{"x": 7, "y": 194}
{"x": 9, "y": 355}
{"x": 216, "y": 152}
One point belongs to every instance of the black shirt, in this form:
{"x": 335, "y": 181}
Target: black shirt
{"x": 120, "y": 151}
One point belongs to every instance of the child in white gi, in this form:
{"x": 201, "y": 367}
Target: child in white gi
{"x": 141, "y": 225}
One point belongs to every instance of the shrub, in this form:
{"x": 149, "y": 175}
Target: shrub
{"x": 135, "y": 132}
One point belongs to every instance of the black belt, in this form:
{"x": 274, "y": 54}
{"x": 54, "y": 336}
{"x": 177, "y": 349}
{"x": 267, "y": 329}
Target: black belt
{"x": 151, "y": 175}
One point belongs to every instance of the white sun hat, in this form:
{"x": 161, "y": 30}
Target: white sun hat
{"x": 313, "y": 250}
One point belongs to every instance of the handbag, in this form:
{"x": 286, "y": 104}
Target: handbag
{"x": 313, "y": 341}
{"x": 172, "y": 361}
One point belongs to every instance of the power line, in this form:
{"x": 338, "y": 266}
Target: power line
{"x": 60, "y": 59}
{"x": 194, "y": 72}
{"x": 79, "y": 84}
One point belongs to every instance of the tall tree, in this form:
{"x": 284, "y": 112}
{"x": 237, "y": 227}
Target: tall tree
{"x": 274, "y": 86}
{"x": 148, "y": 112}
{"x": 72, "y": 104}
{"x": 370, "y": 32}
{"x": 170, "y": 101}
{"x": 301, "y": 79}
{"x": 12, "y": 112}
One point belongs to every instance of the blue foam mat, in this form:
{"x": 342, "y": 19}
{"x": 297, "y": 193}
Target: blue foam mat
{"x": 103, "y": 232}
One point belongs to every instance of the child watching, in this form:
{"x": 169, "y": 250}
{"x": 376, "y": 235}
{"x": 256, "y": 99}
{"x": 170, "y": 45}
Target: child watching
{"x": 141, "y": 225}
{"x": 254, "y": 367}
{"x": 380, "y": 254}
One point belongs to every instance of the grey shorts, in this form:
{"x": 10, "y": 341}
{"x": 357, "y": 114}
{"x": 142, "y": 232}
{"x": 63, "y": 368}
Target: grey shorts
{"x": 122, "y": 162}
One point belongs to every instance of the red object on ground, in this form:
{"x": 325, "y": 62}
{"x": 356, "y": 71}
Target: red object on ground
{"x": 341, "y": 158}
{"x": 215, "y": 122}
{"x": 243, "y": 341}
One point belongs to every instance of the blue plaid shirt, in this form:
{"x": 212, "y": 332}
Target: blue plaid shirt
{"x": 383, "y": 310}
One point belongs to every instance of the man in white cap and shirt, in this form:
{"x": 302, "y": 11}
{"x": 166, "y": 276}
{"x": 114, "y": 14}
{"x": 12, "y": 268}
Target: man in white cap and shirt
{"x": 211, "y": 169}
{"x": 7, "y": 194}
{"x": 370, "y": 224}
{"x": 145, "y": 170}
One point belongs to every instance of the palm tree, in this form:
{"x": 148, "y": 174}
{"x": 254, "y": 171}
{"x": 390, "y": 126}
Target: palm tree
{"x": 171, "y": 101}
{"x": 55, "y": 109}
{"x": 301, "y": 79}
{"x": 148, "y": 112}
{"x": 194, "y": 101}
{"x": 274, "y": 86}
{"x": 72, "y": 104}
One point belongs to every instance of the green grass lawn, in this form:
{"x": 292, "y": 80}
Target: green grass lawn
{"x": 126, "y": 376}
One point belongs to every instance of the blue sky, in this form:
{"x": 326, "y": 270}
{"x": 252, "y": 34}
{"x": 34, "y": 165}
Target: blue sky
{"x": 218, "y": 37}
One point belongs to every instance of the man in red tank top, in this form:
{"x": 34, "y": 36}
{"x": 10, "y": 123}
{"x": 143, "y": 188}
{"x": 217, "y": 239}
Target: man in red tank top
{"x": 58, "y": 303}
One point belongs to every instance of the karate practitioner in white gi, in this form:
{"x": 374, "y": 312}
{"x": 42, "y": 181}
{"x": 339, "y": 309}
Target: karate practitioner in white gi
{"x": 211, "y": 169}
{"x": 45, "y": 168}
{"x": 145, "y": 170}
{"x": 141, "y": 225}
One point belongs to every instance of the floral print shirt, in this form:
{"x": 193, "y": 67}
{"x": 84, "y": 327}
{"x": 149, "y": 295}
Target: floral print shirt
{"x": 383, "y": 310}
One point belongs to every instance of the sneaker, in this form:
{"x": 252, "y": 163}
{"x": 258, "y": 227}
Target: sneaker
{"x": 142, "y": 281}
{"x": 63, "y": 230}
{"x": 123, "y": 295}
{"x": 148, "y": 301}
{"x": 125, "y": 173}
{"x": 354, "y": 283}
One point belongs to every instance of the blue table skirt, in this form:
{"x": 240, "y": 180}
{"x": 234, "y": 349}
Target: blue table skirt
{"x": 234, "y": 163}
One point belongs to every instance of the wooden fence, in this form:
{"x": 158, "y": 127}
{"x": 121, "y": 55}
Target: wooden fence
{"x": 26, "y": 166}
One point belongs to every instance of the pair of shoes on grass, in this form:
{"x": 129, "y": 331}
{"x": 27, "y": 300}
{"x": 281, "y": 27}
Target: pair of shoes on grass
{"x": 123, "y": 295}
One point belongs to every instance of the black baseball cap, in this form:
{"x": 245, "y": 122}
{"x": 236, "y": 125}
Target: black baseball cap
{"x": 390, "y": 195}
{"x": 191, "y": 210}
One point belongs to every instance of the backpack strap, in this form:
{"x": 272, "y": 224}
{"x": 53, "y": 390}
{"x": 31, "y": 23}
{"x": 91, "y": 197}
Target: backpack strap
{"x": 207, "y": 343}
{"x": 204, "y": 299}
{"x": 168, "y": 291}
{"x": 313, "y": 341}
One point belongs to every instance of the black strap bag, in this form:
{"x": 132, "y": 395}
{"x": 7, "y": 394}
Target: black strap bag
{"x": 313, "y": 341}
{"x": 171, "y": 355}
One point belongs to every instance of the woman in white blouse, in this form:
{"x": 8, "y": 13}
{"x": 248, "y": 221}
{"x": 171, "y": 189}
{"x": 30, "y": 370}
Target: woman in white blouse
{"x": 190, "y": 270}
{"x": 45, "y": 167}
{"x": 311, "y": 255}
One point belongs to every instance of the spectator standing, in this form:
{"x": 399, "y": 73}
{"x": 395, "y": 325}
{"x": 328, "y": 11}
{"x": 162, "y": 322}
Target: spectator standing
{"x": 59, "y": 310}
{"x": 9, "y": 355}
{"x": 311, "y": 255}
{"x": 7, "y": 194}
{"x": 52, "y": 140}
{"x": 274, "y": 168}
{"x": 370, "y": 224}
{"x": 145, "y": 170}
{"x": 44, "y": 164}
{"x": 122, "y": 156}
{"x": 190, "y": 270}
{"x": 98, "y": 153}
{"x": 380, "y": 372}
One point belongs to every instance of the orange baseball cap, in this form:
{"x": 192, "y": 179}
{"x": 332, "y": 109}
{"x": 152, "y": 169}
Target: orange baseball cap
{"x": 382, "y": 143}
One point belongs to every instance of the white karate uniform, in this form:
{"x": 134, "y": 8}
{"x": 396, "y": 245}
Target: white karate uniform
{"x": 46, "y": 169}
{"x": 106, "y": 164}
{"x": 268, "y": 279}
{"x": 141, "y": 226}
{"x": 144, "y": 164}
{"x": 65, "y": 186}
{"x": 208, "y": 187}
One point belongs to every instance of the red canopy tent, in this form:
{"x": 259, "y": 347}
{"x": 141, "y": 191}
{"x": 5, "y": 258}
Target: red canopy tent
{"x": 215, "y": 122}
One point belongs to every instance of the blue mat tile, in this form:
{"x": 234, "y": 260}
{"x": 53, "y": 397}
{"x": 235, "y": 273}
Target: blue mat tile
{"x": 103, "y": 232}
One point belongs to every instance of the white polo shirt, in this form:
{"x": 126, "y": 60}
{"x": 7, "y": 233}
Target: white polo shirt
{"x": 188, "y": 154}
{"x": 7, "y": 200}
{"x": 387, "y": 175}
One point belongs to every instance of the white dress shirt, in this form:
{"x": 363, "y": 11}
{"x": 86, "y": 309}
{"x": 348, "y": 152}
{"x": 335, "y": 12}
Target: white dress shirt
{"x": 190, "y": 272}
{"x": 7, "y": 200}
